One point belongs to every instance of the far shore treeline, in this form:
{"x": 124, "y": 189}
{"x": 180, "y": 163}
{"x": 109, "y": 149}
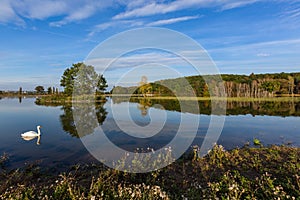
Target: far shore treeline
{"x": 252, "y": 86}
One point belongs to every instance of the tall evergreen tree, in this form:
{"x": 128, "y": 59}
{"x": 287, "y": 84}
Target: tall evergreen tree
{"x": 20, "y": 91}
{"x": 49, "y": 90}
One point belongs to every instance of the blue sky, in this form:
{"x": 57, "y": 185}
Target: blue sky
{"x": 39, "y": 39}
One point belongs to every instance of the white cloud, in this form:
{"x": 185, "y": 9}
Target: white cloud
{"x": 84, "y": 11}
{"x": 101, "y": 27}
{"x": 137, "y": 60}
{"x": 32, "y": 9}
{"x": 146, "y": 60}
{"x": 172, "y": 20}
{"x": 278, "y": 45}
{"x": 7, "y": 14}
{"x": 156, "y": 7}
{"x": 75, "y": 10}
{"x": 137, "y": 3}
{"x": 282, "y": 55}
{"x": 155, "y": 65}
{"x": 263, "y": 55}
{"x": 236, "y": 4}
{"x": 115, "y": 23}
{"x": 136, "y": 23}
{"x": 291, "y": 13}
{"x": 12, "y": 11}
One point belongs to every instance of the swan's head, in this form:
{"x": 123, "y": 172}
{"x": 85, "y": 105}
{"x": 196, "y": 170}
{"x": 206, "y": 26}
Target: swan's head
{"x": 39, "y": 127}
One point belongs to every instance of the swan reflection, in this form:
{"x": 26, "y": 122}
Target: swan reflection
{"x": 28, "y": 138}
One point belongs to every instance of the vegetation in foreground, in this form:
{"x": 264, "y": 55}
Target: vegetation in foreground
{"x": 247, "y": 173}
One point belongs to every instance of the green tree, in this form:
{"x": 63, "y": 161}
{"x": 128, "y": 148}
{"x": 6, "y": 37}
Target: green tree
{"x": 145, "y": 88}
{"x": 20, "y": 91}
{"x": 85, "y": 78}
{"x": 67, "y": 79}
{"x": 40, "y": 89}
{"x": 102, "y": 84}
{"x": 271, "y": 87}
{"x": 206, "y": 91}
{"x": 49, "y": 90}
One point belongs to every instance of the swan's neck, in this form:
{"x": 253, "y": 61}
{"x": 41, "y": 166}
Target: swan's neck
{"x": 38, "y": 129}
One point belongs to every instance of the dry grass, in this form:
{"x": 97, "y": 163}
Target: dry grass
{"x": 247, "y": 173}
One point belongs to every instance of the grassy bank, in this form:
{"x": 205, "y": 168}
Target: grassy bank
{"x": 241, "y": 99}
{"x": 295, "y": 98}
{"x": 247, "y": 173}
{"x": 68, "y": 99}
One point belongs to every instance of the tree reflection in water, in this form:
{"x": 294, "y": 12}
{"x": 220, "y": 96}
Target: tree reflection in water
{"x": 258, "y": 107}
{"x": 68, "y": 123}
{"x": 144, "y": 105}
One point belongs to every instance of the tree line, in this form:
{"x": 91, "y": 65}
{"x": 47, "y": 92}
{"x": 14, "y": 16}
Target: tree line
{"x": 253, "y": 85}
{"x": 38, "y": 90}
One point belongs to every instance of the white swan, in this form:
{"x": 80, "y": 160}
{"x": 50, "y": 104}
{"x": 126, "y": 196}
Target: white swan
{"x": 31, "y": 134}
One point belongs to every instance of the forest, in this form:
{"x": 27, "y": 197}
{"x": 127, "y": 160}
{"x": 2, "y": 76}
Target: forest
{"x": 253, "y": 85}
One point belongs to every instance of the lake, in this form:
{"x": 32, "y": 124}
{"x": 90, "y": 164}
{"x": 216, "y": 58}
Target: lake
{"x": 60, "y": 144}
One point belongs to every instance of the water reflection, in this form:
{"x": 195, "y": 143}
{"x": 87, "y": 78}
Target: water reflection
{"x": 68, "y": 123}
{"x": 57, "y": 145}
{"x": 67, "y": 118}
{"x": 144, "y": 105}
{"x": 238, "y": 113}
{"x": 270, "y": 108}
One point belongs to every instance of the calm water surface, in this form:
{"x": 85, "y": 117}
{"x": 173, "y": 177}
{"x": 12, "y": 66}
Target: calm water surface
{"x": 60, "y": 144}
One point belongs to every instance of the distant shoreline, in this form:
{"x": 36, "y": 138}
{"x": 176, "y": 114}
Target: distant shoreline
{"x": 278, "y": 98}
{"x": 60, "y": 98}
